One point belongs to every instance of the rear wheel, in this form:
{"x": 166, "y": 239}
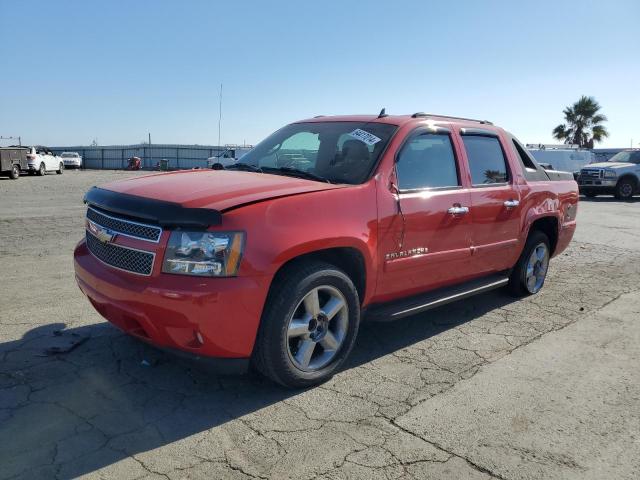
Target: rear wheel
{"x": 529, "y": 274}
{"x": 309, "y": 325}
{"x": 624, "y": 189}
{"x": 15, "y": 172}
{"x": 42, "y": 170}
{"x": 60, "y": 169}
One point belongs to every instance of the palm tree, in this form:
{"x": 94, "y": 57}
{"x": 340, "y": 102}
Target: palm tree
{"x": 583, "y": 124}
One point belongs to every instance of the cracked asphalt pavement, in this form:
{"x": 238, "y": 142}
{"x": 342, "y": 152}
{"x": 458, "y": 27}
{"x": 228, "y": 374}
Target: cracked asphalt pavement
{"x": 492, "y": 387}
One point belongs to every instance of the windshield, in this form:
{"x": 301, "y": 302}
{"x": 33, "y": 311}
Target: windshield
{"x": 340, "y": 152}
{"x": 629, "y": 156}
{"x": 69, "y": 155}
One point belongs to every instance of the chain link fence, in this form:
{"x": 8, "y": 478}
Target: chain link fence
{"x": 115, "y": 157}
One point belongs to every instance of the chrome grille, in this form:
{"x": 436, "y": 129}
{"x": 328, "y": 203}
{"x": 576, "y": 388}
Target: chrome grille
{"x": 125, "y": 227}
{"x": 122, "y": 258}
{"x": 591, "y": 173}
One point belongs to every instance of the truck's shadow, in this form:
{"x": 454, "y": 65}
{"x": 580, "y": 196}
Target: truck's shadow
{"x": 112, "y": 397}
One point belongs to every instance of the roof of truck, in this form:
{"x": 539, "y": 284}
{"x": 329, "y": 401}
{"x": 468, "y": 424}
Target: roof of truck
{"x": 399, "y": 119}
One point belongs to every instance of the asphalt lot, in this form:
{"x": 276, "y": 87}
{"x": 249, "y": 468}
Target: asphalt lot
{"x": 545, "y": 387}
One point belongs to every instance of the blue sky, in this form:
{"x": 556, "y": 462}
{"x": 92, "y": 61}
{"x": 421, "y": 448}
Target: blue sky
{"x": 113, "y": 71}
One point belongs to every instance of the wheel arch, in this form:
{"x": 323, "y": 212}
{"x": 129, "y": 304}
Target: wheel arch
{"x": 348, "y": 259}
{"x": 632, "y": 177}
{"x": 550, "y": 227}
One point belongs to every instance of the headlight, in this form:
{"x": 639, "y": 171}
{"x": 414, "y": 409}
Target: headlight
{"x": 610, "y": 174}
{"x": 206, "y": 254}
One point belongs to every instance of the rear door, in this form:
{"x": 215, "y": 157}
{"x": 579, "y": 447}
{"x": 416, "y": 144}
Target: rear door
{"x": 495, "y": 202}
{"x": 427, "y": 243}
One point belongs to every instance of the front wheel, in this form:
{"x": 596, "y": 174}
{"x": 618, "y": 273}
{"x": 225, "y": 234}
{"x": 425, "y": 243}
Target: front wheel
{"x": 309, "y": 325}
{"x": 15, "y": 172}
{"x": 529, "y": 274}
{"x": 60, "y": 169}
{"x": 624, "y": 189}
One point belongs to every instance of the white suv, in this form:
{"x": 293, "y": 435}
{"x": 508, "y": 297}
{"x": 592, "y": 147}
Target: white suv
{"x": 71, "y": 159}
{"x": 41, "y": 160}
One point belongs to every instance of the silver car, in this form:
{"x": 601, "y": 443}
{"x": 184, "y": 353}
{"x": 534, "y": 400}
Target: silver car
{"x": 71, "y": 159}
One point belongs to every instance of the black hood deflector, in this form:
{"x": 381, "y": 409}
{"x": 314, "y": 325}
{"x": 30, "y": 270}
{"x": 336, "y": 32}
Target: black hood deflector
{"x": 160, "y": 212}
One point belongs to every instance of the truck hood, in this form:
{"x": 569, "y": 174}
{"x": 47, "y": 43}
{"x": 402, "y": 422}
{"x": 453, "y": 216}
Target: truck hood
{"x": 610, "y": 165}
{"x": 215, "y": 189}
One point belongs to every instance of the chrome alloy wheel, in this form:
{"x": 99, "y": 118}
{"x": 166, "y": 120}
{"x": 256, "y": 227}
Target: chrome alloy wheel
{"x": 537, "y": 268}
{"x": 317, "y": 328}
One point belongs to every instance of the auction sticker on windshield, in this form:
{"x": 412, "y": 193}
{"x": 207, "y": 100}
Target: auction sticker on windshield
{"x": 366, "y": 137}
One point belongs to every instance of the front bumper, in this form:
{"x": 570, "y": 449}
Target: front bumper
{"x": 212, "y": 318}
{"x": 72, "y": 163}
{"x": 596, "y": 183}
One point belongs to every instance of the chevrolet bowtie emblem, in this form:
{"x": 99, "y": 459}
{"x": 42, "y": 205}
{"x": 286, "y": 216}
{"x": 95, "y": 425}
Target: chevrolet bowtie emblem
{"x": 101, "y": 233}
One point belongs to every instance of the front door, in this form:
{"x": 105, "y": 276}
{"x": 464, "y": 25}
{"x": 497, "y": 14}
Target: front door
{"x": 495, "y": 203}
{"x": 425, "y": 243}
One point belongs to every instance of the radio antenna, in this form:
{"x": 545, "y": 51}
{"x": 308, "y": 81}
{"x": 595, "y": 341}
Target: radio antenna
{"x": 220, "y": 115}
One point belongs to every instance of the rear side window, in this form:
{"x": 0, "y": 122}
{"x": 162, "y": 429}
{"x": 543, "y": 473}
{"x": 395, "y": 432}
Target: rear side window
{"x": 530, "y": 169}
{"x": 525, "y": 159}
{"x": 486, "y": 159}
{"x": 427, "y": 161}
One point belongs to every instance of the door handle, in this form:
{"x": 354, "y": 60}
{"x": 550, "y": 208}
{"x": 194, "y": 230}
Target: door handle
{"x": 511, "y": 203}
{"x": 458, "y": 210}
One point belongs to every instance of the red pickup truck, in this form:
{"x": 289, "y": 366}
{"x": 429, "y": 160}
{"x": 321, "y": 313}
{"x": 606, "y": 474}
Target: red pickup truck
{"x": 274, "y": 261}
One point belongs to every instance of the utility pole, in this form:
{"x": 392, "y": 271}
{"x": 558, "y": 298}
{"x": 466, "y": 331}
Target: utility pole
{"x": 220, "y": 115}
{"x": 149, "y": 138}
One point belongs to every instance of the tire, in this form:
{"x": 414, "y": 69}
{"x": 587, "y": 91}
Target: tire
{"x": 60, "y": 169}
{"x": 520, "y": 283}
{"x": 590, "y": 194}
{"x": 15, "y": 172}
{"x": 625, "y": 189}
{"x": 42, "y": 170}
{"x": 281, "y": 344}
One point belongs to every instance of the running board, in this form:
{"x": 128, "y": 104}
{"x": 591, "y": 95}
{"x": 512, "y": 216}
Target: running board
{"x": 403, "y": 308}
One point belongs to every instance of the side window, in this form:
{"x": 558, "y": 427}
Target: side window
{"x": 427, "y": 161}
{"x": 530, "y": 169}
{"x": 525, "y": 160}
{"x": 486, "y": 159}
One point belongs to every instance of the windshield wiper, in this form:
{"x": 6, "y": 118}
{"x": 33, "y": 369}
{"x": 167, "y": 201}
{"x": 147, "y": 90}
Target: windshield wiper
{"x": 245, "y": 167}
{"x": 294, "y": 172}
